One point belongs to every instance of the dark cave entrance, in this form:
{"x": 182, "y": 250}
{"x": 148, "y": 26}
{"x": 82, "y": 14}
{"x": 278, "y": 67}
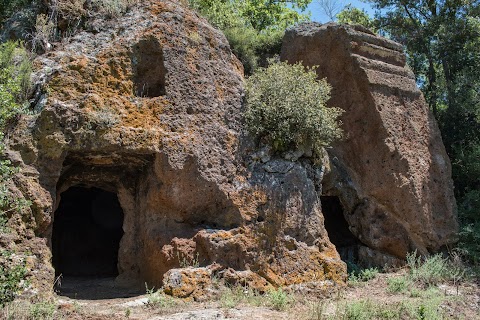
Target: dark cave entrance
{"x": 345, "y": 241}
{"x": 86, "y": 233}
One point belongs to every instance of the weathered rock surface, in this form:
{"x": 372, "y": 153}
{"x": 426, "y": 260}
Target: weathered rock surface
{"x": 246, "y": 278}
{"x": 187, "y": 282}
{"x": 391, "y": 172}
{"x": 149, "y": 108}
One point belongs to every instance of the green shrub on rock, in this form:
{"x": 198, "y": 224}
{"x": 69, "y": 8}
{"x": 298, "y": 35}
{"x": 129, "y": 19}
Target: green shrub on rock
{"x": 12, "y": 272}
{"x": 15, "y": 69}
{"x": 286, "y": 106}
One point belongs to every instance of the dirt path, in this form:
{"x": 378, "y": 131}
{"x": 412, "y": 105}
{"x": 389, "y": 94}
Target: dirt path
{"x": 102, "y": 300}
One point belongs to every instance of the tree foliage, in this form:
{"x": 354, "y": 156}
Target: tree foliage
{"x": 353, "y": 15}
{"x": 8, "y": 7}
{"x": 258, "y": 14}
{"x": 286, "y": 106}
{"x": 253, "y": 28}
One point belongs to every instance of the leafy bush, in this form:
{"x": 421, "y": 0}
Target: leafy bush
{"x": 398, "y": 284}
{"x": 12, "y": 272}
{"x": 8, "y": 7}
{"x": 15, "y": 69}
{"x": 254, "y": 29}
{"x": 432, "y": 270}
{"x": 251, "y": 47}
{"x": 362, "y": 275}
{"x": 231, "y": 296}
{"x": 279, "y": 299}
{"x": 425, "y": 273}
{"x": 469, "y": 210}
{"x": 286, "y": 106}
{"x": 367, "y": 309}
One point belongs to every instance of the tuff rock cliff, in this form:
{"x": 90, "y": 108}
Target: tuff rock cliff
{"x": 391, "y": 173}
{"x": 137, "y": 129}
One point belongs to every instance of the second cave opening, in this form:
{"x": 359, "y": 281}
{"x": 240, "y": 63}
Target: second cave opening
{"x": 338, "y": 230}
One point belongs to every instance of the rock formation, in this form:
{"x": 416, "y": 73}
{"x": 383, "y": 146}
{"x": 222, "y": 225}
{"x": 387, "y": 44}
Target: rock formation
{"x": 391, "y": 172}
{"x": 137, "y": 133}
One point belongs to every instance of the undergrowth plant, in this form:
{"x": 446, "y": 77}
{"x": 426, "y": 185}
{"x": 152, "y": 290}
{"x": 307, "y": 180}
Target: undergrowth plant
{"x": 469, "y": 211}
{"x": 185, "y": 261}
{"x": 368, "y": 309}
{"x": 15, "y": 69}
{"x": 12, "y": 273}
{"x": 24, "y": 310}
{"x": 43, "y": 310}
{"x": 432, "y": 270}
{"x": 286, "y": 107}
{"x": 279, "y": 299}
{"x": 362, "y": 275}
{"x": 157, "y": 299}
{"x": 425, "y": 273}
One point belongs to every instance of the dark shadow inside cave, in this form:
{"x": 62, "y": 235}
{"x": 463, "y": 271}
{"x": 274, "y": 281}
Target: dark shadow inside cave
{"x": 87, "y": 232}
{"x": 85, "y": 242}
{"x": 338, "y": 230}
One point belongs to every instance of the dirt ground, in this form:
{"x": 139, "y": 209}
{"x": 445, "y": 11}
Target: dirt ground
{"x": 99, "y": 300}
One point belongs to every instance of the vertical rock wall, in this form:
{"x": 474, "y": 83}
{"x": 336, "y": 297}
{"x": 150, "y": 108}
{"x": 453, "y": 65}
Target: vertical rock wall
{"x": 149, "y": 108}
{"x": 391, "y": 171}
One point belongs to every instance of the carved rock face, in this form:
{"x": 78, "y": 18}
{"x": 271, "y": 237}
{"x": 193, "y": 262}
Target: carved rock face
{"x": 138, "y": 132}
{"x": 149, "y": 111}
{"x": 390, "y": 172}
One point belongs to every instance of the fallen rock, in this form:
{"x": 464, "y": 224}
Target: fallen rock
{"x": 187, "y": 282}
{"x": 247, "y": 279}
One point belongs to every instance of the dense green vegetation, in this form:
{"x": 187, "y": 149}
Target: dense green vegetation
{"x": 352, "y": 15}
{"x": 12, "y": 273}
{"x": 286, "y": 107}
{"x": 15, "y": 69}
{"x": 254, "y": 28}
{"x": 8, "y": 7}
